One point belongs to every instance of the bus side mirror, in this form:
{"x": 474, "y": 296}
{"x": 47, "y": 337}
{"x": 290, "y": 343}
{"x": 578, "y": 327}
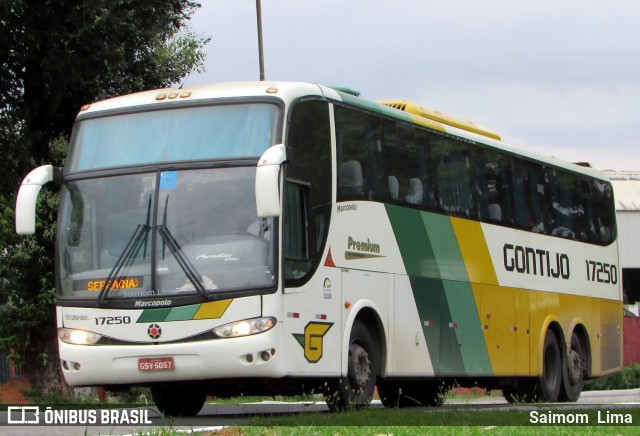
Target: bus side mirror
{"x": 28, "y": 195}
{"x": 268, "y": 181}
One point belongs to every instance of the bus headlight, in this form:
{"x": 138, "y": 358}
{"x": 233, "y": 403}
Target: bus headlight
{"x": 245, "y": 327}
{"x": 78, "y": 337}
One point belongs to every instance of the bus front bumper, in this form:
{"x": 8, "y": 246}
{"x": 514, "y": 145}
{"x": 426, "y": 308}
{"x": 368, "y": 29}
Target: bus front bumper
{"x": 259, "y": 355}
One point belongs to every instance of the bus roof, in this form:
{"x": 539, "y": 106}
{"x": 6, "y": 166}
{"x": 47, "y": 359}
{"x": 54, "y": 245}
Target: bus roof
{"x": 438, "y": 116}
{"x": 401, "y": 110}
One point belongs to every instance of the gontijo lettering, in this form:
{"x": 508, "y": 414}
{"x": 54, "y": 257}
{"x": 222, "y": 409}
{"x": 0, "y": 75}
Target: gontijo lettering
{"x": 527, "y": 260}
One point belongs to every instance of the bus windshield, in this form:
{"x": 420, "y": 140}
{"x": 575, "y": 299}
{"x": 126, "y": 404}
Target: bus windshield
{"x": 163, "y": 233}
{"x": 189, "y": 133}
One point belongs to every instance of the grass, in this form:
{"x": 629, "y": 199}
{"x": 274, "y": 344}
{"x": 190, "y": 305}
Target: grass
{"x": 391, "y": 430}
{"x": 457, "y": 416}
{"x": 400, "y": 422}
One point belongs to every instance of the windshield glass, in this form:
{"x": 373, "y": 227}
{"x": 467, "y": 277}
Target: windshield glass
{"x": 163, "y": 233}
{"x": 191, "y": 133}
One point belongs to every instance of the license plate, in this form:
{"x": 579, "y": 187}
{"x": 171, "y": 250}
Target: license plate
{"x": 156, "y": 364}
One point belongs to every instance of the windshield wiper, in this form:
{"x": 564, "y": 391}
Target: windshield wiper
{"x": 128, "y": 255}
{"x": 185, "y": 264}
{"x": 136, "y": 241}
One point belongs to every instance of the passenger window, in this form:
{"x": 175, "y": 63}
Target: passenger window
{"x": 493, "y": 184}
{"x": 359, "y": 143}
{"x": 562, "y": 203}
{"x": 452, "y": 165}
{"x": 403, "y": 165}
{"x": 528, "y": 196}
{"x": 603, "y": 212}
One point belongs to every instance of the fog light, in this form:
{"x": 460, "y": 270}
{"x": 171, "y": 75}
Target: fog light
{"x": 265, "y": 356}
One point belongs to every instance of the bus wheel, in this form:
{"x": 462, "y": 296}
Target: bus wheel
{"x": 573, "y": 370}
{"x": 356, "y": 389}
{"x": 411, "y": 394}
{"x": 548, "y": 385}
{"x": 173, "y": 400}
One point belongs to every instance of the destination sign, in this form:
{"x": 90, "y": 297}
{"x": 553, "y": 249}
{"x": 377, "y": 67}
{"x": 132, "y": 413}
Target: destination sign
{"x": 133, "y": 282}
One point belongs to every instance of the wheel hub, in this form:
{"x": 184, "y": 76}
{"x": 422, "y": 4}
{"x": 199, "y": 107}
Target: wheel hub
{"x": 361, "y": 364}
{"x": 574, "y": 366}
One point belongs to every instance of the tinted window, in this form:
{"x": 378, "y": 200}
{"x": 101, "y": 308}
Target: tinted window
{"x": 359, "y": 143}
{"x": 452, "y": 167}
{"x": 308, "y": 189}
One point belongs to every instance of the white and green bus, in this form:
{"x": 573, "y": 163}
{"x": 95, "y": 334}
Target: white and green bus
{"x": 285, "y": 238}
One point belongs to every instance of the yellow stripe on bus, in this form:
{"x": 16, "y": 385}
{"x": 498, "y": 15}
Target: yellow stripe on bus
{"x": 214, "y": 309}
{"x": 475, "y": 252}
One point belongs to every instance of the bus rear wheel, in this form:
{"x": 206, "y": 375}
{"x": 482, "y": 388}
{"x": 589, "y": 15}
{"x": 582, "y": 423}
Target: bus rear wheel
{"x": 551, "y": 379}
{"x": 573, "y": 371}
{"x": 173, "y": 400}
{"x": 355, "y": 391}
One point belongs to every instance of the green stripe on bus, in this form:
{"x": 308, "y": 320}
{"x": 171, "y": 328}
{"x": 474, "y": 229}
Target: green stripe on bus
{"x": 182, "y": 313}
{"x": 445, "y": 247}
{"x": 435, "y": 316}
{"x": 413, "y": 241}
{"x": 153, "y": 315}
{"x": 460, "y": 298}
{"x": 442, "y": 292}
{"x": 462, "y": 306}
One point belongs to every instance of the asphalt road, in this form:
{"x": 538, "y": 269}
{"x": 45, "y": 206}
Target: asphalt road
{"x": 215, "y": 416}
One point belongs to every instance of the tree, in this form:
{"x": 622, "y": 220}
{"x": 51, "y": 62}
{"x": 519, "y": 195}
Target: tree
{"x": 55, "y": 56}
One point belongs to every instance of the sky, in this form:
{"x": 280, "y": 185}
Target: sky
{"x": 559, "y": 77}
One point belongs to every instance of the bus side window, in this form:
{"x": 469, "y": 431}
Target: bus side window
{"x": 585, "y": 226}
{"x": 561, "y": 201}
{"x": 603, "y": 212}
{"x": 452, "y": 161}
{"x": 307, "y": 208}
{"x": 296, "y": 235}
{"x": 406, "y": 185}
{"x": 494, "y": 187}
{"x": 423, "y": 141}
{"x": 359, "y": 143}
{"x": 528, "y": 196}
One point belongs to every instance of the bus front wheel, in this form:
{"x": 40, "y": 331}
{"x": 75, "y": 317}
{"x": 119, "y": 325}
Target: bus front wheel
{"x": 355, "y": 391}
{"x": 546, "y": 387}
{"x": 173, "y": 400}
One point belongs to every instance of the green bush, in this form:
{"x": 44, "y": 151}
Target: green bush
{"x": 628, "y": 378}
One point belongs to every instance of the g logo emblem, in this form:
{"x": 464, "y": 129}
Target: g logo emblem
{"x": 312, "y": 340}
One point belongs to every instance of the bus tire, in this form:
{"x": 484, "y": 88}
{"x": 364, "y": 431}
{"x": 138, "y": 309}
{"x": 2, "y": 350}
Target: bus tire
{"x": 355, "y": 391}
{"x": 547, "y": 386}
{"x": 172, "y": 400}
{"x": 429, "y": 394}
{"x": 573, "y": 371}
